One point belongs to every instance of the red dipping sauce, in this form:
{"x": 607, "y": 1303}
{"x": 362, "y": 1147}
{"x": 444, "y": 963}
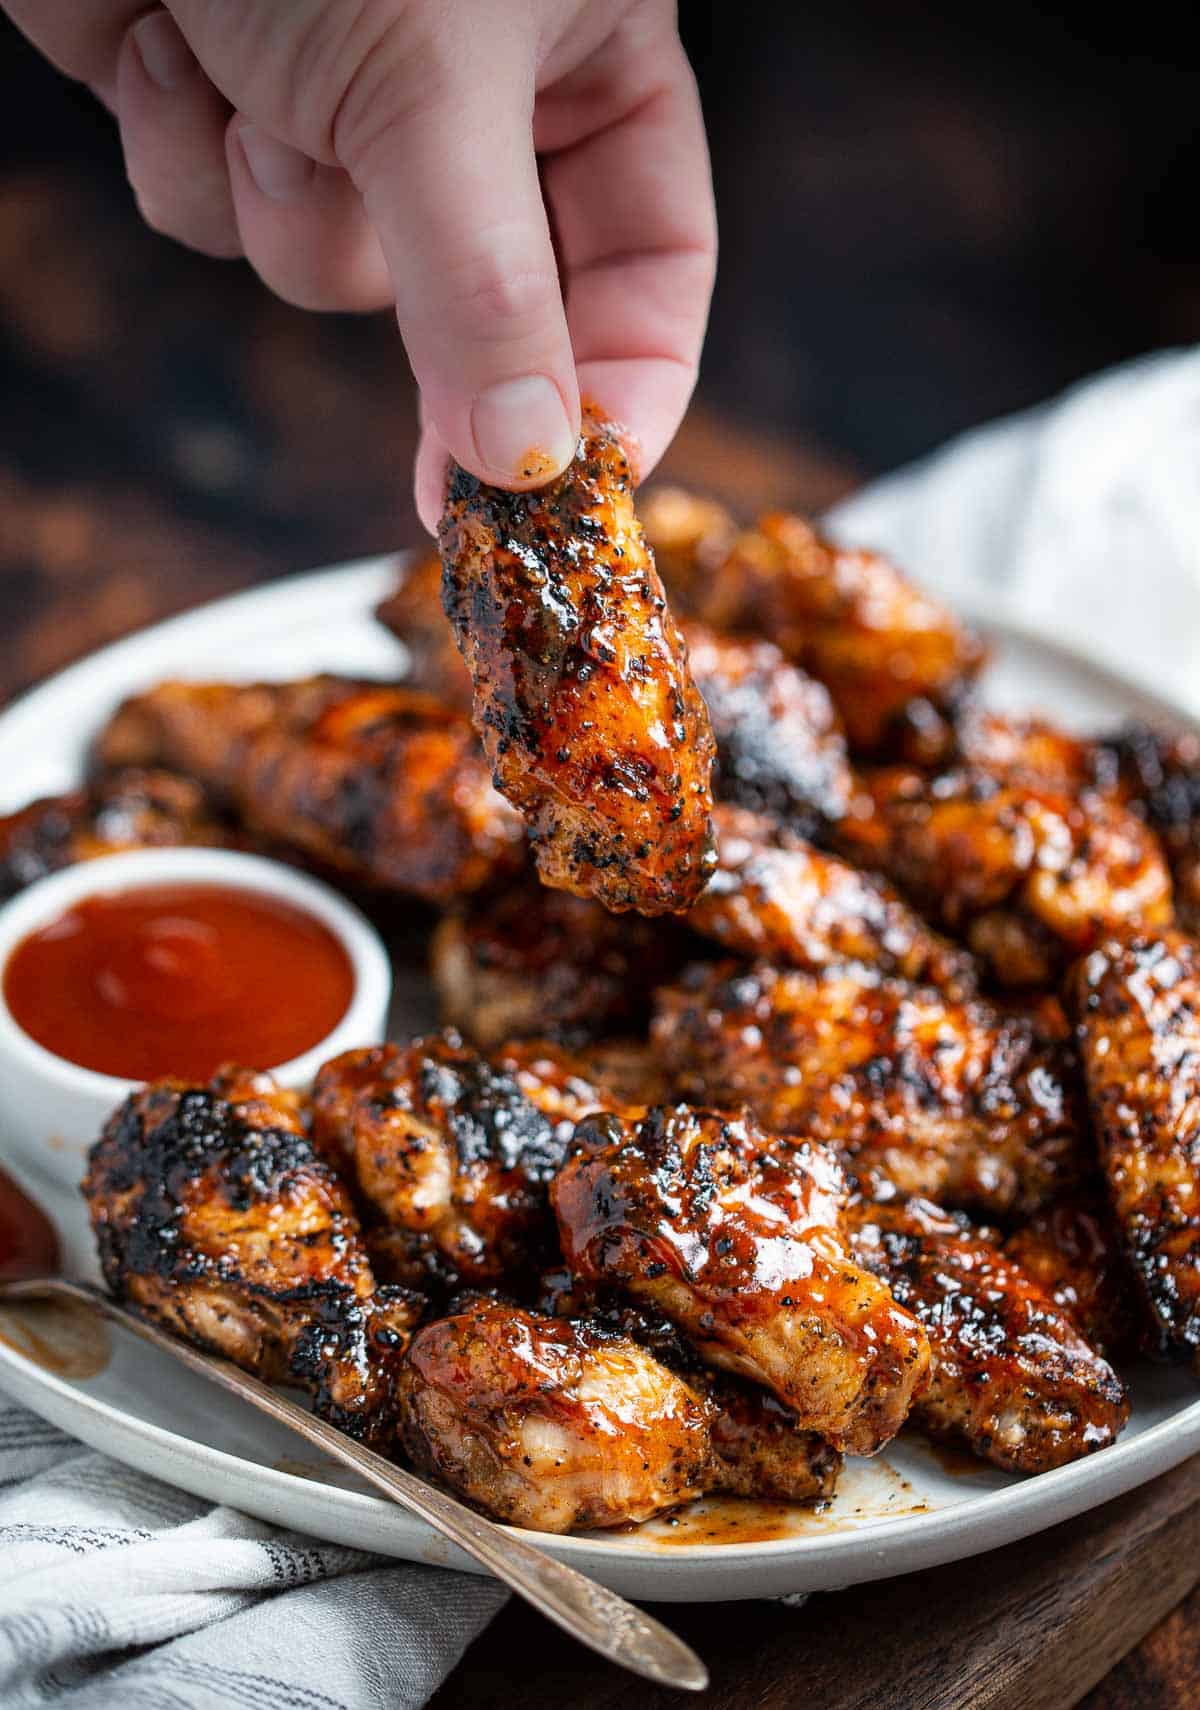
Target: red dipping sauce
{"x": 178, "y": 979}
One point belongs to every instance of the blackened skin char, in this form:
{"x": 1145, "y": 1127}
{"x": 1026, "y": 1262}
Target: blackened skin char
{"x": 582, "y": 693}
{"x": 214, "y": 1215}
{"x": 384, "y": 786}
{"x": 449, "y": 1155}
{"x": 130, "y": 809}
{"x": 1010, "y": 1375}
{"x": 1137, "y": 1005}
{"x": 1072, "y": 1247}
{"x": 915, "y": 1091}
{"x": 736, "y": 1236}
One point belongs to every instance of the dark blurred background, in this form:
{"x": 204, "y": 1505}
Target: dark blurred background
{"x": 929, "y": 217}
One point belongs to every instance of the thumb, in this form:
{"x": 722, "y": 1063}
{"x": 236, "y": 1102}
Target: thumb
{"x": 450, "y": 182}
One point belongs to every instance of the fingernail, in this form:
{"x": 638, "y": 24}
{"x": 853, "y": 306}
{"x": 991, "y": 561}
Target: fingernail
{"x": 280, "y": 171}
{"x": 164, "y": 52}
{"x": 521, "y": 429}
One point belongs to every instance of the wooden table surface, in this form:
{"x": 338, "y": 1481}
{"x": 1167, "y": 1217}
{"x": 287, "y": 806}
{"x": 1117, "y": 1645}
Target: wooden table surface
{"x": 168, "y": 434}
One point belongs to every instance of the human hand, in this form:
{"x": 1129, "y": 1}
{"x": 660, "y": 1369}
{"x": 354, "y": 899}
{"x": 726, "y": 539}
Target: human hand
{"x": 368, "y": 152}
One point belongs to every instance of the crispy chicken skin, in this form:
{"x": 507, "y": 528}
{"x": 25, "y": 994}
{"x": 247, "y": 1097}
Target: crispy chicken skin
{"x": 775, "y": 896}
{"x": 383, "y": 785}
{"x": 130, "y": 809}
{"x": 1029, "y": 876}
{"x": 1137, "y": 1004}
{"x": 214, "y": 1215}
{"x": 780, "y": 746}
{"x": 550, "y": 1424}
{"x": 737, "y": 1238}
{"x": 616, "y": 1075}
{"x": 1073, "y": 1249}
{"x": 526, "y": 960}
{"x": 583, "y": 697}
{"x": 1011, "y": 1374}
{"x": 448, "y": 1153}
{"x": 917, "y": 1092}
{"x": 758, "y": 1448}
{"x": 888, "y": 654}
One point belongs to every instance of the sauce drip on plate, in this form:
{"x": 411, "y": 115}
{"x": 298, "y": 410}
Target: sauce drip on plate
{"x": 178, "y": 979}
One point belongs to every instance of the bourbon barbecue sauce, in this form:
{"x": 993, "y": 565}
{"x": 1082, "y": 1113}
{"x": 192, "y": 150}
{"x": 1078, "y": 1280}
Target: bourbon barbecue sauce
{"x": 178, "y": 979}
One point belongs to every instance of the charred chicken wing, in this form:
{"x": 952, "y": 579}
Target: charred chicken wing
{"x": 130, "y": 809}
{"x": 1137, "y": 1003}
{"x": 776, "y": 896}
{"x": 916, "y": 1091}
{"x": 214, "y": 1215}
{"x": 1027, "y": 875}
{"x": 449, "y": 1154}
{"x": 737, "y": 1238}
{"x": 1010, "y": 1372}
{"x": 414, "y": 614}
{"x": 383, "y": 785}
{"x": 583, "y": 697}
{"x": 550, "y": 1424}
{"x": 1073, "y": 1249}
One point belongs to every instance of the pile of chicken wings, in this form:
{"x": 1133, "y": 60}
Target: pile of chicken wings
{"x": 822, "y": 1049}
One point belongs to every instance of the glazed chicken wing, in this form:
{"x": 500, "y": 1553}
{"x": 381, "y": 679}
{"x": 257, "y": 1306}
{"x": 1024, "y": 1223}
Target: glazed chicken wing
{"x": 449, "y": 1154}
{"x": 916, "y": 1091}
{"x": 526, "y": 960}
{"x": 130, "y": 809}
{"x": 776, "y": 896}
{"x": 737, "y": 1237}
{"x": 214, "y": 1215}
{"x": 550, "y": 1424}
{"x": 1158, "y": 774}
{"x": 888, "y": 654}
{"x": 1137, "y": 1003}
{"x": 621, "y": 1076}
{"x": 1072, "y": 1248}
{"x": 1010, "y": 1373}
{"x": 413, "y": 613}
{"x": 383, "y": 785}
{"x": 583, "y": 697}
{"x": 1027, "y": 875}
{"x": 780, "y": 746}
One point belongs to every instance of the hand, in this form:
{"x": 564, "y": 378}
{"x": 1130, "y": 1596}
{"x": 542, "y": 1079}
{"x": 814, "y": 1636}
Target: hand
{"x": 368, "y": 152}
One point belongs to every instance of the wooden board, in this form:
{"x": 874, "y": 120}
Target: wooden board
{"x": 1032, "y": 1627}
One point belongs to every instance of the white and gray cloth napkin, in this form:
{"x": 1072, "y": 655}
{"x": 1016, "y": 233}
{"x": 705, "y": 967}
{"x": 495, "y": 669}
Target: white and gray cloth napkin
{"x": 1083, "y": 519}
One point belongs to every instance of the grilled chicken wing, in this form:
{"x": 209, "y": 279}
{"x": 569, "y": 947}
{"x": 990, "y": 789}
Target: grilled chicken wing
{"x": 888, "y": 654}
{"x": 618, "y": 1075}
{"x": 383, "y": 785}
{"x": 758, "y": 1448}
{"x": 130, "y": 809}
{"x": 916, "y": 1091}
{"x": 214, "y": 1215}
{"x": 737, "y": 1238}
{"x": 1158, "y": 774}
{"x": 413, "y": 613}
{"x": 583, "y": 697}
{"x": 450, "y": 1155}
{"x": 1027, "y": 875}
{"x": 1010, "y": 1372}
{"x": 550, "y": 1424}
{"x": 780, "y": 746}
{"x": 1073, "y": 1249}
{"x": 777, "y": 897}
{"x": 1137, "y": 1003}
{"x": 530, "y": 961}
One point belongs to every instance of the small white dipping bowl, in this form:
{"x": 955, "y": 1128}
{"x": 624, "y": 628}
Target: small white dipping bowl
{"x": 51, "y": 1110}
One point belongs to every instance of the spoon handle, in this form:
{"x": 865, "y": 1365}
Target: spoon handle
{"x": 588, "y": 1611}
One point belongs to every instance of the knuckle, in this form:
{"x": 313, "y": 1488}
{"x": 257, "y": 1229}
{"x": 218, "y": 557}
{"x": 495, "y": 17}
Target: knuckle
{"x": 506, "y": 298}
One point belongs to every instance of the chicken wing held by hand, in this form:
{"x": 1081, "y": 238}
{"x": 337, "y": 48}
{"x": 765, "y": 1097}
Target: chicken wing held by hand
{"x": 737, "y": 1238}
{"x": 583, "y": 697}
{"x": 1137, "y": 1005}
{"x": 214, "y": 1215}
{"x": 1010, "y": 1372}
{"x": 382, "y": 784}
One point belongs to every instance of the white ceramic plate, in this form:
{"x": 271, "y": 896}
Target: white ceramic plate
{"x": 905, "y": 1510}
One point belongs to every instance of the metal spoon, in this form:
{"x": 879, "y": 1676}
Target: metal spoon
{"x": 590, "y": 1612}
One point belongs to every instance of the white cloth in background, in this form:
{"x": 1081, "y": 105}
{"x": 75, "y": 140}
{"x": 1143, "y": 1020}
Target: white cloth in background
{"x": 1083, "y": 518}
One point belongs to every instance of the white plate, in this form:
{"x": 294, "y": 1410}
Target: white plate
{"x": 902, "y": 1511}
